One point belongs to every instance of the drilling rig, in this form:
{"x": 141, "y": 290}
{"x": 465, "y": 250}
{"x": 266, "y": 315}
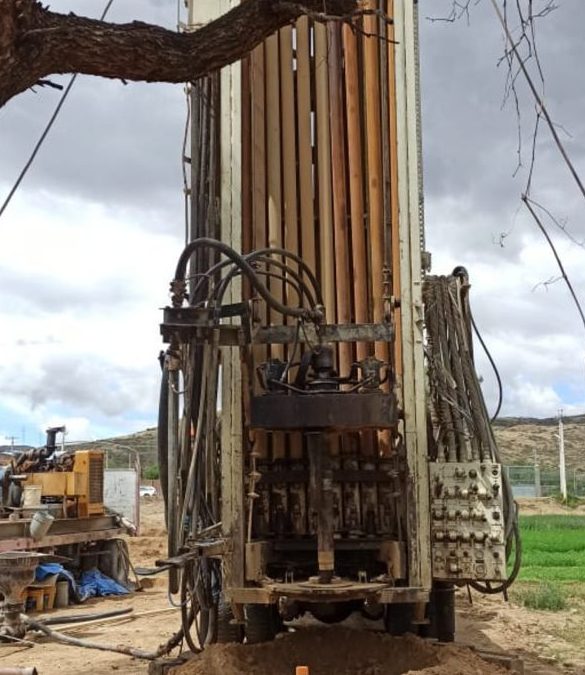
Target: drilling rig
{"x": 323, "y": 439}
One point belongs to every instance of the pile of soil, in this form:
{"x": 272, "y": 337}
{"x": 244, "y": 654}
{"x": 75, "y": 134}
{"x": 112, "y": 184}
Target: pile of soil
{"x": 339, "y": 650}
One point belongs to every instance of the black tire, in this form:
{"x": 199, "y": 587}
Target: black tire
{"x": 226, "y": 630}
{"x": 333, "y": 612}
{"x": 398, "y": 618}
{"x": 442, "y": 612}
{"x": 263, "y": 623}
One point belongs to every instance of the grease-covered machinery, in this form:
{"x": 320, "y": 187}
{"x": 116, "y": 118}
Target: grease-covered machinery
{"x": 324, "y": 444}
{"x": 66, "y": 488}
{"x": 71, "y": 482}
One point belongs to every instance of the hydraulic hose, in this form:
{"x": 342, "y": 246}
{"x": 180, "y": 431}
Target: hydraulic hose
{"x": 248, "y": 270}
{"x": 302, "y": 289}
{"x": 163, "y": 436}
{"x": 81, "y": 618}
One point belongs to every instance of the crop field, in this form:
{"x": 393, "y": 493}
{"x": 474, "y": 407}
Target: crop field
{"x": 553, "y": 548}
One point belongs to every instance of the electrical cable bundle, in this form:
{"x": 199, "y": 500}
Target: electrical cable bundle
{"x": 458, "y": 411}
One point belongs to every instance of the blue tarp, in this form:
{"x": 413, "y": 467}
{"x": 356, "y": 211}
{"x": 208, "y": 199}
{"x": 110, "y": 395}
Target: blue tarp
{"x": 91, "y": 584}
{"x": 45, "y": 570}
{"x": 94, "y": 583}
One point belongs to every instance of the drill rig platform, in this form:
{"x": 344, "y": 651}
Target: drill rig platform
{"x": 323, "y": 440}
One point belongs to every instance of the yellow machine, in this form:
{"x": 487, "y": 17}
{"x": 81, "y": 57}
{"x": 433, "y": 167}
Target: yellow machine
{"x": 81, "y": 489}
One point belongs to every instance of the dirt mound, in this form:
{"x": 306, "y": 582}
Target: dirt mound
{"x": 338, "y": 650}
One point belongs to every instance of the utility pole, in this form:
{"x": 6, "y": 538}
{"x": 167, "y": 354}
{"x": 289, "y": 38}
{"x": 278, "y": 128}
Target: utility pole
{"x": 562, "y": 471}
{"x": 12, "y": 439}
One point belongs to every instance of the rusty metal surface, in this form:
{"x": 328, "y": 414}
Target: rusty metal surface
{"x": 28, "y": 543}
{"x": 188, "y": 323}
{"x": 467, "y": 521}
{"x": 369, "y": 332}
{"x": 211, "y": 549}
{"x": 341, "y": 591}
{"x": 14, "y": 529}
{"x": 331, "y": 411}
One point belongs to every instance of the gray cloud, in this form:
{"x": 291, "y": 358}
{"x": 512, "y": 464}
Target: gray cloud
{"x": 112, "y": 144}
{"x": 83, "y": 381}
{"x": 119, "y": 146}
{"x": 24, "y": 292}
{"x": 470, "y": 141}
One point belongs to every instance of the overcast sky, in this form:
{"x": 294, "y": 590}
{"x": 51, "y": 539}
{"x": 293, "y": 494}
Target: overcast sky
{"x": 89, "y": 243}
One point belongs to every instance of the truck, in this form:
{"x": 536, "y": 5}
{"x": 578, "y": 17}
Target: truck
{"x": 53, "y": 502}
{"x": 324, "y": 443}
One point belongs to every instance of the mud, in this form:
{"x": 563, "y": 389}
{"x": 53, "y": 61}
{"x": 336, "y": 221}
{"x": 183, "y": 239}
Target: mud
{"x": 338, "y": 650}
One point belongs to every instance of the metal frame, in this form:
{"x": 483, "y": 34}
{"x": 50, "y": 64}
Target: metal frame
{"x": 410, "y": 229}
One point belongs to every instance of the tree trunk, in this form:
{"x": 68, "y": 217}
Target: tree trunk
{"x": 36, "y": 43}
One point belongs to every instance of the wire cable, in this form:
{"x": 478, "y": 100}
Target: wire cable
{"x": 47, "y": 128}
{"x": 495, "y": 368}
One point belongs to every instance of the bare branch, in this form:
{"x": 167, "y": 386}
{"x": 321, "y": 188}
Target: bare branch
{"x": 560, "y": 224}
{"x": 514, "y": 52}
{"x": 459, "y": 9}
{"x": 528, "y": 202}
{"x": 547, "y": 283}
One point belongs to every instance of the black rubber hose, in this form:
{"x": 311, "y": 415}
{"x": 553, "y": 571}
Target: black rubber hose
{"x": 303, "y": 265}
{"x": 81, "y": 618}
{"x": 287, "y": 278}
{"x": 248, "y": 270}
{"x": 263, "y": 255}
{"x": 163, "y": 436}
{"x": 493, "y": 365}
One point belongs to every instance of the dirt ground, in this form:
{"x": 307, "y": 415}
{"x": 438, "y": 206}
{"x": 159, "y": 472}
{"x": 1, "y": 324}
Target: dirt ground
{"x": 550, "y": 643}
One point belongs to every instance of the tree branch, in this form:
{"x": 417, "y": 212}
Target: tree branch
{"x": 36, "y": 43}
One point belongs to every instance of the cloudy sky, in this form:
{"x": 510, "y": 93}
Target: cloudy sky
{"x": 89, "y": 242}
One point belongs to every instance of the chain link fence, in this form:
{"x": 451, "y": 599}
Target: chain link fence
{"x": 534, "y": 481}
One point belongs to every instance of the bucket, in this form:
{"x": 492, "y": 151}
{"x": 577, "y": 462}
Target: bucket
{"x": 40, "y": 524}
{"x": 31, "y": 496}
{"x": 62, "y": 596}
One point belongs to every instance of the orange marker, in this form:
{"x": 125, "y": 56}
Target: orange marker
{"x": 302, "y": 670}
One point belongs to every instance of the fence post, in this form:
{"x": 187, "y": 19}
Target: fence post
{"x": 537, "y": 484}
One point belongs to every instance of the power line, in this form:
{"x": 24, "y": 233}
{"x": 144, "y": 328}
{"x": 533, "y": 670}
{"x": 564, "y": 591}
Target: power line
{"x": 47, "y": 128}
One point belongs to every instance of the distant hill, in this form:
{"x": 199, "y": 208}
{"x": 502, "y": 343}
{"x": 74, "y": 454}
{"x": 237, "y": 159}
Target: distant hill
{"x": 517, "y": 438}
{"x": 15, "y": 448}
{"x": 143, "y": 442}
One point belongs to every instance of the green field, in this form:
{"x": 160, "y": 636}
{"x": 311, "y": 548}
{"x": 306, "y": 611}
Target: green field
{"x": 553, "y": 548}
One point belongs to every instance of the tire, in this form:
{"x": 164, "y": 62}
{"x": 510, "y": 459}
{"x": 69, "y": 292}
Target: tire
{"x": 398, "y": 618}
{"x": 226, "y": 630}
{"x": 263, "y": 623}
{"x": 442, "y": 612}
{"x": 333, "y": 612}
